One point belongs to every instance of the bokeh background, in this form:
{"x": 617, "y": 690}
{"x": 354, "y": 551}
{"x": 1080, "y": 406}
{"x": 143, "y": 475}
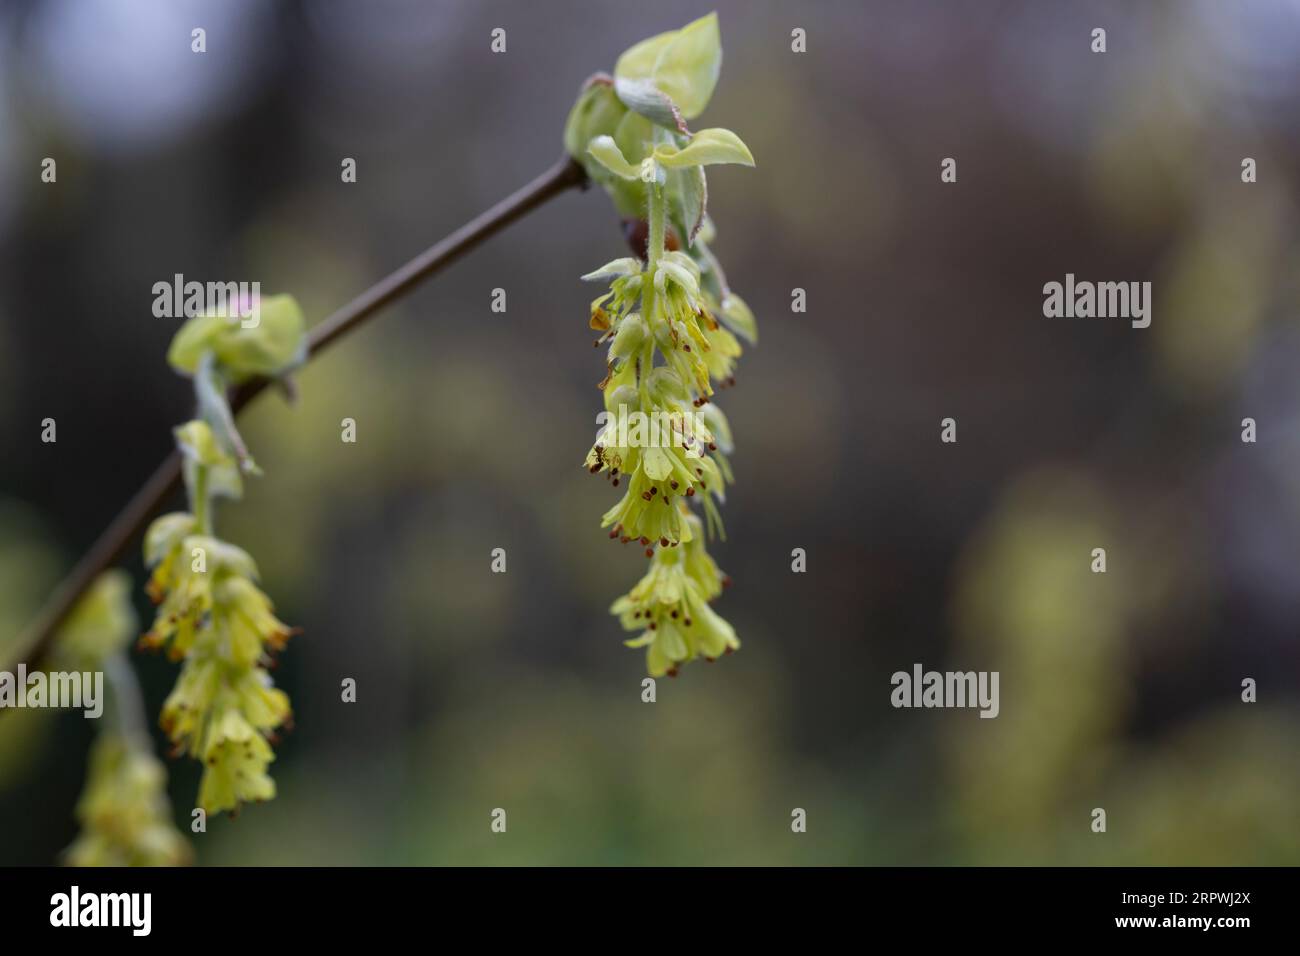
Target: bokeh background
{"x": 480, "y": 690}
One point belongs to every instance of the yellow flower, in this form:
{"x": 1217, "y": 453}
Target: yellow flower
{"x": 235, "y": 759}
{"x": 672, "y": 323}
{"x": 183, "y": 582}
{"x": 670, "y": 605}
{"x": 124, "y": 812}
{"x": 214, "y": 617}
{"x": 244, "y": 615}
{"x": 99, "y": 626}
{"x": 221, "y": 715}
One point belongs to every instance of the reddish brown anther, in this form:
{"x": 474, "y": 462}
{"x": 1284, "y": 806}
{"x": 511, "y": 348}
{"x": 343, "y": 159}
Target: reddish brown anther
{"x": 637, "y": 234}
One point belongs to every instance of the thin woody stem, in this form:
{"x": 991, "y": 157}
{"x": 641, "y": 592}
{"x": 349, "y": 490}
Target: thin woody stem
{"x": 113, "y": 544}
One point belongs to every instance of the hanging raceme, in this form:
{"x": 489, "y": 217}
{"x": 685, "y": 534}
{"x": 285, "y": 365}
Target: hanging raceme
{"x": 125, "y": 816}
{"x": 673, "y": 328}
{"x": 212, "y": 616}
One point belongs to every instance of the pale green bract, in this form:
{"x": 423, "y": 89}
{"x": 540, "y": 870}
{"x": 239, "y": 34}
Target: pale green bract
{"x": 606, "y": 152}
{"x": 708, "y": 147}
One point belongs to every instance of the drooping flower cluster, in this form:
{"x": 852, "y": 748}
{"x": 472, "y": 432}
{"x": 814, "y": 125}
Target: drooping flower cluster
{"x": 212, "y": 616}
{"x": 672, "y": 325}
{"x": 124, "y": 812}
{"x": 125, "y": 816}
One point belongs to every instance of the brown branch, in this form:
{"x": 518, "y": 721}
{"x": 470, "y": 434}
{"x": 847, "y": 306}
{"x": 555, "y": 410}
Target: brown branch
{"x": 112, "y": 545}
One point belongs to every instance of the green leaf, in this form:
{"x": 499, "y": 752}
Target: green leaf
{"x": 687, "y": 69}
{"x": 638, "y": 61}
{"x": 681, "y": 67}
{"x": 650, "y": 101}
{"x": 597, "y": 112}
{"x": 193, "y": 339}
{"x": 275, "y": 343}
{"x": 688, "y": 193}
{"x": 635, "y": 136}
{"x": 708, "y": 147}
{"x": 606, "y": 152}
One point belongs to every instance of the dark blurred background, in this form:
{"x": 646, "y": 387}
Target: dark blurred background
{"x": 480, "y": 690}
